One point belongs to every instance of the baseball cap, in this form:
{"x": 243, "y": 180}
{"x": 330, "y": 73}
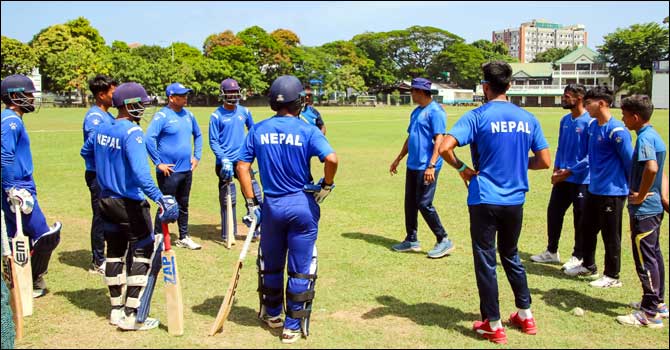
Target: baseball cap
{"x": 421, "y": 84}
{"x": 176, "y": 89}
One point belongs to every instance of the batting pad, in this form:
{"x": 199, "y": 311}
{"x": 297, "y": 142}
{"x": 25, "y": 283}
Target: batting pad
{"x": 145, "y": 299}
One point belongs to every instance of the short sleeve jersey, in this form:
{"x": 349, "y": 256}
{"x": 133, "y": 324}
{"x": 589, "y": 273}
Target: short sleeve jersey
{"x": 500, "y": 135}
{"x": 283, "y": 146}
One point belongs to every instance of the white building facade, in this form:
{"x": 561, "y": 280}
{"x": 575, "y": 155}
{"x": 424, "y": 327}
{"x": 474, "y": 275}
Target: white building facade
{"x": 659, "y": 85}
{"x": 532, "y": 38}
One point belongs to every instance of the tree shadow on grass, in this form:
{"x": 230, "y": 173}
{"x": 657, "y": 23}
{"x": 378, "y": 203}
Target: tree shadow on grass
{"x": 425, "y": 314}
{"x": 212, "y": 232}
{"x": 240, "y": 315}
{"x": 77, "y": 258}
{"x": 377, "y": 240}
{"x": 96, "y": 300}
{"x": 567, "y": 299}
{"x": 544, "y": 270}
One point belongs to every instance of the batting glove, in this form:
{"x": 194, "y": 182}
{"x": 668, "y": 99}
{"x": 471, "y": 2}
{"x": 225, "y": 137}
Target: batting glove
{"x": 254, "y": 210}
{"x": 325, "y": 190}
{"x": 168, "y": 209}
{"x": 23, "y": 197}
{"x": 226, "y": 173}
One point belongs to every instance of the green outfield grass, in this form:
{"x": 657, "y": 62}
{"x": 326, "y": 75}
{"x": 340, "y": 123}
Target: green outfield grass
{"x": 366, "y": 295}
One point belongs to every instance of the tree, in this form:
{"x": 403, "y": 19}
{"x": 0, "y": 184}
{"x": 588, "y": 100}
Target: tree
{"x": 640, "y": 82}
{"x": 462, "y": 61}
{"x": 497, "y": 48}
{"x": 286, "y": 37}
{"x": 81, "y": 27}
{"x": 552, "y": 55}
{"x": 17, "y": 57}
{"x": 225, "y": 38}
{"x": 638, "y": 45}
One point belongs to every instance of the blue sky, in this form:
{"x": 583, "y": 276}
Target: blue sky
{"x": 316, "y": 23}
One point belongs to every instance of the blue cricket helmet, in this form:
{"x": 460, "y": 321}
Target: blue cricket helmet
{"x": 230, "y": 91}
{"x": 18, "y": 85}
{"x": 285, "y": 89}
{"x": 133, "y": 96}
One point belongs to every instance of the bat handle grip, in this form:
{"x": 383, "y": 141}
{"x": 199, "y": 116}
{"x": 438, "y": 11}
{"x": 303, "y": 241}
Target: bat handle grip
{"x": 166, "y": 237}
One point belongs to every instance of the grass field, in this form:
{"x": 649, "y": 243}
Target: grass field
{"x": 366, "y": 295}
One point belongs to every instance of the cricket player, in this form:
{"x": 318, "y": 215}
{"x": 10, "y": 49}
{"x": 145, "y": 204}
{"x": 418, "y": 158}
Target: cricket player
{"x": 102, "y": 87}
{"x": 309, "y": 113}
{"x": 122, "y": 171}
{"x": 501, "y": 136}
{"x": 283, "y": 146}
{"x": 17, "y": 178}
{"x": 226, "y": 136}
{"x": 426, "y": 130}
{"x": 570, "y": 178}
{"x": 168, "y": 140}
{"x": 646, "y": 213}
{"x": 610, "y": 164}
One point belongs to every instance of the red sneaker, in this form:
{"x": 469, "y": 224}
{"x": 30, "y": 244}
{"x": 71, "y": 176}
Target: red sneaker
{"x": 484, "y": 329}
{"x": 528, "y": 325}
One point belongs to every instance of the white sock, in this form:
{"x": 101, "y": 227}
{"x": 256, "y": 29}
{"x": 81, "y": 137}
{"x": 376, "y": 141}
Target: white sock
{"x": 525, "y": 313}
{"x": 495, "y": 324}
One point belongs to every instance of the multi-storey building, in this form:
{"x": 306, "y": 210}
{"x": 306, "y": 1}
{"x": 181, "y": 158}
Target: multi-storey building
{"x": 542, "y": 84}
{"x": 531, "y": 38}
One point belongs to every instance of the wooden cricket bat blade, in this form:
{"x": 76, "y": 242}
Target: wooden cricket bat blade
{"x": 14, "y": 295}
{"x": 173, "y": 296}
{"x": 21, "y": 259}
{"x": 227, "y": 303}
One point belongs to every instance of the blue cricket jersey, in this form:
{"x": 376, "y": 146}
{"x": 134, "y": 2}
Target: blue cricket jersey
{"x": 17, "y": 160}
{"x": 121, "y": 161}
{"x": 424, "y": 124}
{"x": 283, "y": 147}
{"x": 168, "y": 138}
{"x": 226, "y": 132}
{"x": 573, "y": 147}
{"x": 93, "y": 118}
{"x": 649, "y": 146}
{"x": 610, "y": 158}
{"x": 310, "y": 115}
{"x": 500, "y": 135}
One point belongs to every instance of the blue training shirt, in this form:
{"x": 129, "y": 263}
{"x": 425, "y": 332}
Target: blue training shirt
{"x": 649, "y": 146}
{"x": 121, "y": 161}
{"x": 310, "y": 115}
{"x": 283, "y": 147}
{"x": 500, "y": 134}
{"x": 168, "y": 139}
{"x": 226, "y": 132}
{"x": 424, "y": 124}
{"x": 93, "y": 118}
{"x": 610, "y": 158}
{"x": 573, "y": 147}
{"x": 17, "y": 160}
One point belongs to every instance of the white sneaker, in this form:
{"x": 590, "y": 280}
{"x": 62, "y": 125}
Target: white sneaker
{"x": 115, "y": 316}
{"x": 289, "y": 336}
{"x": 187, "y": 242}
{"x": 574, "y": 261}
{"x": 606, "y": 282}
{"x": 580, "y": 270}
{"x": 129, "y": 323}
{"x": 662, "y": 308}
{"x": 546, "y": 257}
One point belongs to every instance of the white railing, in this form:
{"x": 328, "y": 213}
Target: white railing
{"x": 543, "y": 87}
{"x": 581, "y": 72}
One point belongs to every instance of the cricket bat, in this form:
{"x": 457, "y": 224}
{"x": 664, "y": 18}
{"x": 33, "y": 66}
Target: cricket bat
{"x": 229, "y": 218}
{"x": 173, "y": 298}
{"x": 11, "y": 279}
{"x": 21, "y": 258}
{"x": 227, "y": 303}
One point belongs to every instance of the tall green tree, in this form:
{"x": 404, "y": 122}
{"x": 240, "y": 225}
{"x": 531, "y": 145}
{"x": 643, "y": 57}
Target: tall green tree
{"x": 638, "y": 45}
{"x": 225, "y": 38}
{"x": 552, "y": 55}
{"x": 462, "y": 61}
{"x": 641, "y": 82}
{"x": 17, "y": 57}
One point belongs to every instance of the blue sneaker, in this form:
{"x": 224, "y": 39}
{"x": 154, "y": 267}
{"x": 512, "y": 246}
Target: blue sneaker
{"x": 405, "y": 246}
{"x": 441, "y": 249}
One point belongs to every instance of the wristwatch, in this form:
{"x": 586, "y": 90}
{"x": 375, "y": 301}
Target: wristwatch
{"x": 431, "y": 166}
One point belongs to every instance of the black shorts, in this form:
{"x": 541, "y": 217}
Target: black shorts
{"x": 127, "y": 217}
